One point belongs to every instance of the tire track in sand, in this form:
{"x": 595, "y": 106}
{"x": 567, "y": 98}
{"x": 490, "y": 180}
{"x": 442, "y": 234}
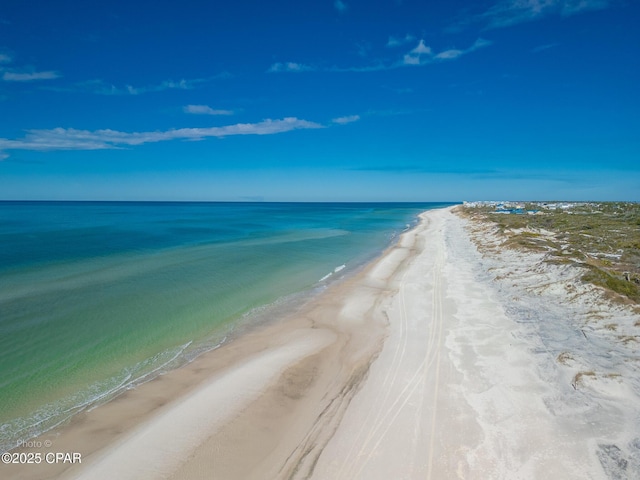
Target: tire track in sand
{"x": 387, "y": 414}
{"x": 437, "y": 313}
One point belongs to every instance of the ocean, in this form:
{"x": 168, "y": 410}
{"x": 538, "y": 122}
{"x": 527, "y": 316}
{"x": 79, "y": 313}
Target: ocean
{"x": 98, "y": 297}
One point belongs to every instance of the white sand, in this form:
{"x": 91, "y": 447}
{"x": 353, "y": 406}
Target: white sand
{"x": 452, "y": 394}
{"x": 436, "y": 362}
{"x": 162, "y": 444}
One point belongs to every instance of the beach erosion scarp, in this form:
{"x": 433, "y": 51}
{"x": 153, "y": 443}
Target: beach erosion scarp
{"x": 422, "y": 365}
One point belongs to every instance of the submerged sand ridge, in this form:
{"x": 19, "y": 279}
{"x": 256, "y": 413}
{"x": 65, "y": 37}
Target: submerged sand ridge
{"x": 434, "y": 362}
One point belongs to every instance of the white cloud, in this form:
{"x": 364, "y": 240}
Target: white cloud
{"x": 29, "y": 77}
{"x": 182, "y": 84}
{"x": 417, "y": 55}
{"x": 399, "y": 41}
{"x": 411, "y": 60}
{"x": 347, "y": 119}
{"x": 479, "y": 43}
{"x": 289, "y": 67}
{"x": 340, "y": 6}
{"x": 205, "y": 110}
{"x": 22, "y": 73}
{"x": 450, "y": 54}
{"x": 421, "y": 48}
{"x": 421, "y": 54}
{"x": 73, "y": 139}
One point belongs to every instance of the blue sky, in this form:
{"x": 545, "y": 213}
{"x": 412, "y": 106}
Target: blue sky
{"x": 345, "y": 100}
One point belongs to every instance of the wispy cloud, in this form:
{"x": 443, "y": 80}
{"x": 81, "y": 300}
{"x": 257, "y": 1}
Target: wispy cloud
{"x": 340, "y": 6}
{"x": 182, "y": 84}
{"x": 450, "y": 54}
{"x": 73, "y": 139}
{"x": 347, "y": 119}
{"x": 571, "y": 7}
{"x": 205, "y": 110}
{"x": 101, "y": 87}
{"x": 416, "y": 55}
{"x": 423, "y": 55}
{"x": 542, "y": 48}
{"x": 289, "y": 67}
{"x": 22, "y": 74}
{"x": 399, "y": 41}
{"x": 13, "y": 76}
{"x": 511, "y": 12}
{"x": 419, "y": 55}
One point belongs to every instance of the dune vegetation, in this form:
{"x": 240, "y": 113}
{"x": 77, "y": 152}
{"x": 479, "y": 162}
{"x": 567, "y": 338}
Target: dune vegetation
{"x": 603, "y": 238}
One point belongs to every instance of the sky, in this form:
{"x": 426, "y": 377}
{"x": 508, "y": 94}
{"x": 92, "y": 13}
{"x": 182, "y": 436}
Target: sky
{"x": 321, "y": 100}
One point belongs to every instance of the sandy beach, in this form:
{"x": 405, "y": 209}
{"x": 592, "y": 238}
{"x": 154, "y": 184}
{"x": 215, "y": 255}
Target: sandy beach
{"x": 436, "y": 361}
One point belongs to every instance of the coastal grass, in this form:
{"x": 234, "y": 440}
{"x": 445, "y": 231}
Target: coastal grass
{"x": 565, "y": 358}
{"x": 578, "y": 379}
{"x": 603, "y": 238}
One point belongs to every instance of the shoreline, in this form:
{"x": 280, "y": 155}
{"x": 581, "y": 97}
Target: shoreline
{"x": 424, "y": 364}
{"x": 269, "y": 300}
{"x": 105, "y": 425}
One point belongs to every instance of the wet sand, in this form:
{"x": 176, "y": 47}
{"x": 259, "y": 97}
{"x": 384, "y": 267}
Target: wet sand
{"x": 426, "y": 364}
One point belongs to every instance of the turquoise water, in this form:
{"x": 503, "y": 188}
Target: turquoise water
{"x": 97, "y": 297}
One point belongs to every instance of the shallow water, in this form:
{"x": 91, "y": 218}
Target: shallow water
{"x": 97, "y": 297}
